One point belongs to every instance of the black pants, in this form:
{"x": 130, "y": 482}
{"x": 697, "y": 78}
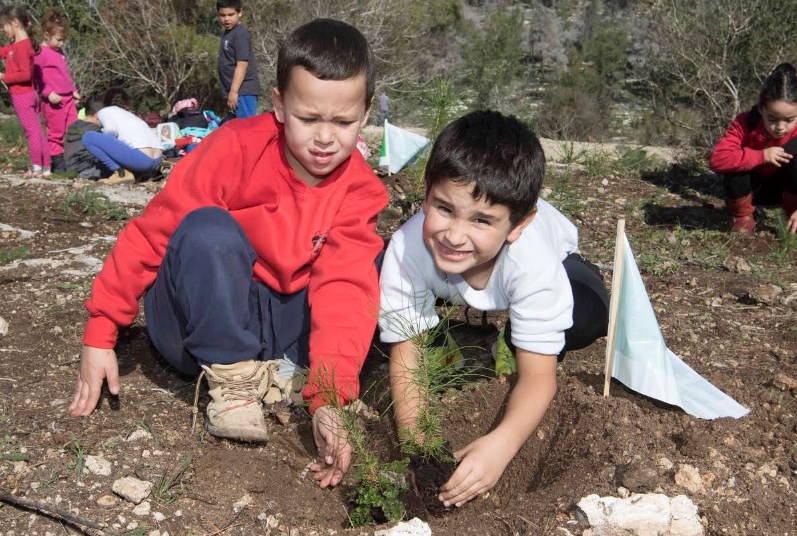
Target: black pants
{"x": 767, "y": 191}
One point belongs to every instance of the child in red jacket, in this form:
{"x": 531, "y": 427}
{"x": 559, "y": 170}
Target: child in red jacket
{"x": 259, "y": 254}
{"x": 18, "y": 76}
{"x": 755, "y": 156}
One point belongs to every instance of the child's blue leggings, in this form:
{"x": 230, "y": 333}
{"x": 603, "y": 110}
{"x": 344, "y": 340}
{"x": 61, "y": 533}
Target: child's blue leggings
{"x": 114, "y": 153}
{"x": 205, "y": 308}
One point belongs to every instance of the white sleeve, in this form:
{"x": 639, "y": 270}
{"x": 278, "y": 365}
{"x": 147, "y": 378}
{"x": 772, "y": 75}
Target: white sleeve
{"x": 406, "y": 300}
{"x": 541, "y": 307}
{"x": 109, "y": 122}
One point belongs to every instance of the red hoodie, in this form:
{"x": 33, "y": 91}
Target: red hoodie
{"x": 323, "y": 238}
{"x": 741, "y": 148}
{"x": 19, "y": 66}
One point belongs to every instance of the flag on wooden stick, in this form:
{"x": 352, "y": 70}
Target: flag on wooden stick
{"x": 637, "y": 355}
{"x": 399, "y": 146}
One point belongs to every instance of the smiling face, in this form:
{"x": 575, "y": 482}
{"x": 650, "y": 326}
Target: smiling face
{"x": 780, "y": 118}
{"x": 54, "y": 40}
{"x": 229, "y": 17}
{"x": 322, "y": 119}
{"x": 465, "y": 235}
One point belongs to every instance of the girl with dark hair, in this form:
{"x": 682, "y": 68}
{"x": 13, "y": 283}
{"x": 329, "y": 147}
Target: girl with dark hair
{"x": 755, "y": 156}
{"x": 18, "y": 77}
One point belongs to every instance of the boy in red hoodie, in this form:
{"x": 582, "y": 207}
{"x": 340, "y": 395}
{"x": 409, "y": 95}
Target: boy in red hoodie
{"x": 260, "y": 238}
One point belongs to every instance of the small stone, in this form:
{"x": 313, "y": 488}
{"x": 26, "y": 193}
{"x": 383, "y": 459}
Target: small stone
{"x": 138, "y": 434}
{"x": 158, "y": 516}
{"x": 623, "y": 492}
{"x": 664, "y": 463}
{"x": 97, "y": 465}
{"x": 155, "y": 532}
{"x": 765, "y": 294}
{"x": 736, "y": 265}
{"x": 243, "y": 502}
{"x": 689, "y": 477}
{"x": 271, "y": 522}
{"x": 781, "y": 381}
{"x": 143, "y": 509}
{"x": 107, "y": 501}
{"x": 3, "y": 327}
{"x": 413, "y": 527}
{"x": 540, "y": 434}
{"x": 640, "y": 477}
{"x": 132, "y": 489}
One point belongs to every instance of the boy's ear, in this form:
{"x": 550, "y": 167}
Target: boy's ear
{"x": 279, "y": 110}
{"x": 515, "y": 233}
{"x": 367, "y": 113}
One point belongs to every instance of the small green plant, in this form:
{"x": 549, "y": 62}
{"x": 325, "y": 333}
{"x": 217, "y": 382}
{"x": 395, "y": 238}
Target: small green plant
{"x": 79, "y": 453}
{"x": 10, "y": 255}
{"x": 777, "y": 396}
{"x": 89, "y": 201}
{"x": 637, "y": 160}
{"x": 169, "y": 487}
{"x": 82, "y": 287}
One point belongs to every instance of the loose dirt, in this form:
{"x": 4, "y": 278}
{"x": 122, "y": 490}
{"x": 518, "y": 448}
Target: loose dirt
{"x": 744, "y": 342}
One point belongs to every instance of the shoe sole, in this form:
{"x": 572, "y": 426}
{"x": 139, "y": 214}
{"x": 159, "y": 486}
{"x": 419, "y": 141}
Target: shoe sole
{"x": 228, "y": 434}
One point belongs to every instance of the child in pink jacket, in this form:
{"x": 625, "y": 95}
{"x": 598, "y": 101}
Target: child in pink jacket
{"x": 55, "y": 84}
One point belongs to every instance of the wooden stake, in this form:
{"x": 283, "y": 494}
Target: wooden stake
{"x": 617, "y": 278}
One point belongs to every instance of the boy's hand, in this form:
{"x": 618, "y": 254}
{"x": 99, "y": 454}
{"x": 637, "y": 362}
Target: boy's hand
{"x": 76, "y": 96}
{"x": 96, "y": 365}
{"x": 332, "y": 442}
{"x": 232, "y": 101}
{"x": 54, "y": 98}
{"x": 791, "y": 225}
{"x": 481, "y": 464}
{"x": 776, "y": 156}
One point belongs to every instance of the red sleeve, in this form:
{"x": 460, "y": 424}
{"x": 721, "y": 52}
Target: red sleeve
{"x": 730, "y": 155}
{"x": 344, "y": 299}
{"x": 205, "y": 177}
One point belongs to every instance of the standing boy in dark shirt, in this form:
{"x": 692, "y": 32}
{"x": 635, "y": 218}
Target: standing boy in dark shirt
{"x": 240, "y": 84}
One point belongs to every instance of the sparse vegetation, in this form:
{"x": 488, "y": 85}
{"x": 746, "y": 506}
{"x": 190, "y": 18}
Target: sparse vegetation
{"x": 10, "y": 255}
{"x": 87, "y": 200}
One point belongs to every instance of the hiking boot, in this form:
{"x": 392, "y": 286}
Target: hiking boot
{"x": 289, "y": 390}
{"x": 235, "y": 410}
{"x": 743, "y": 225}
{"x": 120, "y": 176}
{"x": 742, "y": 210}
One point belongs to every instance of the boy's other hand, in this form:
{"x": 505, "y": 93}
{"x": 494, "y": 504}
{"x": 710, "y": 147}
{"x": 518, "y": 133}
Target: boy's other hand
{"x": 481, "y": 464}
{"x": 76, "y": 96}
{"x": 96, "y": 365}
{"x": 776, "y": 156}
{"x": 332, "y": 442}
{"x": 232, "y": 101}
{"x": 54, "y": 98}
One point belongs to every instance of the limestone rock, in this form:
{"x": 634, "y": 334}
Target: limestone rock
{"x": 765, "y": 294}
{"x": 736, "y": 265}
{"x": 413, "y": 527}
{"x": 689, "y": 477}
{"x": 132, "y": 489}
{"x": 649, "y": 514}
{"x": 138, "y": 434}
{"x": 97, "y": 465}
{"x": 107, "y": 501}
{"x": 142, "y": 509}
{"x": 3, "y": 327}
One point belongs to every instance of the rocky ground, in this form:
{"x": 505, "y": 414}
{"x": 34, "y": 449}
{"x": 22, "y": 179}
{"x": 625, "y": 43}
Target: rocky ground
{"x": 726, "y": 304}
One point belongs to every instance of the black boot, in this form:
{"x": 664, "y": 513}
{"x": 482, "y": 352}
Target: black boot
{"x": 57, "y": 163}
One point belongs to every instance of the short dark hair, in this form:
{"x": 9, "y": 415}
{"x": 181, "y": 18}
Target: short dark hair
{"x": 235, "y": 4}
{"x": 498, "y": 153}
{"x": 330, "y": 50}
{"x": 780, "y": 85}
{"x": 93, "y": 105}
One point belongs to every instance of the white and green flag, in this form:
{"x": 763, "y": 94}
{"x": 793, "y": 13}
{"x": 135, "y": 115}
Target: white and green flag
{"x": 399, "y": 146}
{"x": 638, "y": 356}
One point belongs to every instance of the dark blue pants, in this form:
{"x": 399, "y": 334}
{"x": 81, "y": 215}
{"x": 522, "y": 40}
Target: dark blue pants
{"x": 204, "y": 307}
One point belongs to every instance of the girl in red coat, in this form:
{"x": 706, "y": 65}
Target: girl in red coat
{"x": 18, "y": 76}
{"x": 755, "y": 156}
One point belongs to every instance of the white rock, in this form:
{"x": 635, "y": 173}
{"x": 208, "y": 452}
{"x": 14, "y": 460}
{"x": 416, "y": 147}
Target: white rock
{"x": 139, "y": 433}
{"x": 107, "y": 501}
{"x": 413, "y": 527}
{"x": 3, "y": 327}
{"x": 648, "y": 514}
{"x": 142, "y": 509}
{"x": 132, "y": 489}
{"x": 97, "y": 465}
{"x": 158, "y": 516}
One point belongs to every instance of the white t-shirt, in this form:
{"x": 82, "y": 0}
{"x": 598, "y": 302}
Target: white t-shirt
{"x": 528, "y": 279}
{"x": 127, "y": 127}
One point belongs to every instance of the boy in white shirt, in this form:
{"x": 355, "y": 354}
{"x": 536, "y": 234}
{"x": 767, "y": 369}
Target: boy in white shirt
{"x": 485, "y": 240}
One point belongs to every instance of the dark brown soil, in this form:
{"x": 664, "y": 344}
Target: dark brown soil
{"x": 586, "y": 444}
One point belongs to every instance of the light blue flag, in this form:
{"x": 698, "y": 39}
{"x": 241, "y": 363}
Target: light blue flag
{"x": 642, "y": 360}
{"x": 399, "y": 146}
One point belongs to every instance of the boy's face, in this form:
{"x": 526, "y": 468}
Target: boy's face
{"x": 464, "y": 235}
{"x": 229, "y": 17}
{"x": 322, "y": 119}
